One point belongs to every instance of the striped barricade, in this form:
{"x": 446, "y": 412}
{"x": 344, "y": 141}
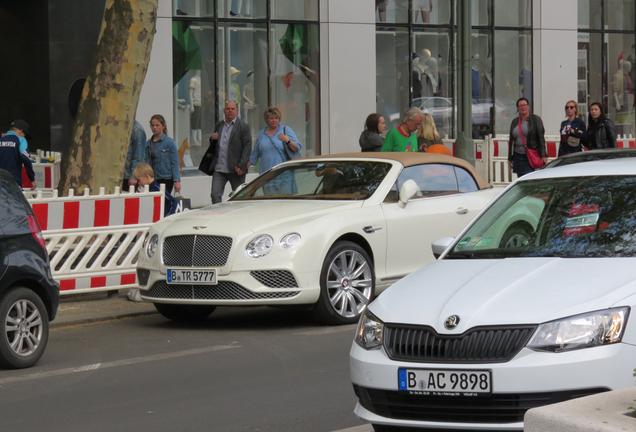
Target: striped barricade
{"x": 46, "y": 166}
{"x": 93, "y": 240}
{"x": 500, "y": 173}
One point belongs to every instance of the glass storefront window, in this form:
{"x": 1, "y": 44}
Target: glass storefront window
{"x": 590, "y": 71}
{"x": 513, "y": 74}
{"x": 431, "y": 11}
{"x": 295, "y": 81}
{"x": 392, "y": 11}
{"x": 295, "y": 10}
{"x": 621, "y": 70}
{"x": 589, "y": 14}
{"x": 432, "y": 77}
{"x": 513, "y": 13}
{"x": 481, "y": 10}
{"x": 392, "y": 74}
{"x": 193, "y": 8}
{"x": 242, "y": 9}
{"x": 481, "y": 83}
{"x": 619, "y": 14}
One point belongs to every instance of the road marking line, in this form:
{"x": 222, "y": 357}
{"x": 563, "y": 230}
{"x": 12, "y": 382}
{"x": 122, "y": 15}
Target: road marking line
{"x": 116, "y": 363}
{"x": 328, "y": 330}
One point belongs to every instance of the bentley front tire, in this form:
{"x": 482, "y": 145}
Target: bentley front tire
{"x": 347, "y": 285}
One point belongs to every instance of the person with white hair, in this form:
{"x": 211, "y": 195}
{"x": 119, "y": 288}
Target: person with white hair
{"x": 403, "y": 137}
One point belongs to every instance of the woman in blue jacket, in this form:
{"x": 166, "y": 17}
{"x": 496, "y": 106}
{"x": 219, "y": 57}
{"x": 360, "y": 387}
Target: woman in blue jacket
{"x": 573, "y": 132}
{"x": 161, "y": 153}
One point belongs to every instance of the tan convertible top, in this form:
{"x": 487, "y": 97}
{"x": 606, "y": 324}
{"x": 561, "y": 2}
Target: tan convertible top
{"x": 412, "y": 158}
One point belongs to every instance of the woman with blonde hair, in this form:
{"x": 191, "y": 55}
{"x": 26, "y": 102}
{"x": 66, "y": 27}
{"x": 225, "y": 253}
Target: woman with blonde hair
{"x": 573, "y": 132}
{"x": 427, "y": 134}
{"x": 161, "y": 153}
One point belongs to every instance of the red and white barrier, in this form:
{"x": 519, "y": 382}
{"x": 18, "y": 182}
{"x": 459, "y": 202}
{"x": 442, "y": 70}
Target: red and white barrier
{"x": 47, "y": 168}
{"x": 93, "y": 240}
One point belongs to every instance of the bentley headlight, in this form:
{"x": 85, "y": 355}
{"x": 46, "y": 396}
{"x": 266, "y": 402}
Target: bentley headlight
{"x": 290, "y": 240}
{"x": 151, "y": 247}
{"x": 581, "y": 331}
{"x": 259, "y": 246}
{"x": 369, "y": 332}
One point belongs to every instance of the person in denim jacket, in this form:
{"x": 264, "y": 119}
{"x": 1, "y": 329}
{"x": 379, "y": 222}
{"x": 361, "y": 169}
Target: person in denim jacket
{"x": 134, "y": 156}
{"x": 161, "y": 153}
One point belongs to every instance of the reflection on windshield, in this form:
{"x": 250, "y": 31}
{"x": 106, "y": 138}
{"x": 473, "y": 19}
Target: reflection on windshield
{"x": 340, "y": 180}
{"x": 573, "y": 217}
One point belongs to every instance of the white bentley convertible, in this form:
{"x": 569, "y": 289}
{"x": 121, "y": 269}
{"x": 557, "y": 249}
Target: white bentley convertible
{"x": 329, "y": 232}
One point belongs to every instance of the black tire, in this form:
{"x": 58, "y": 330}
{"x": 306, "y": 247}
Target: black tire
{"x": 25, "y": 328}
{"x": 347, "y": 285}
{"x": 184, "y": 312}
{"x": 517, "y": 235}
{"x": 384, "y": 428}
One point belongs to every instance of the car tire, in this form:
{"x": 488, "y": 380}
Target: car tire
{"x": 184, "y": 313}
{"x": 385, "y": 428}
{"x": 25, "y": 328}
{"x": 347, "y": 285}
{"x": 517, "y": 235}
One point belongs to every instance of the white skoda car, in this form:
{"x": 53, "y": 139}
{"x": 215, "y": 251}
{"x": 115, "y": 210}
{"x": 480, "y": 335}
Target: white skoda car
{"x": 529, "y": 305}
{"x": 327, "y": 232}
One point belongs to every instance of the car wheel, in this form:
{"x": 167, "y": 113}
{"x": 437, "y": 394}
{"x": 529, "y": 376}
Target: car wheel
{"x": 184, "y": 313}
{"x": 347, "y": 284}
{"x": 384, "y": 428}
{"x": 517, "y": 235}
{"x": 25, "y": 328}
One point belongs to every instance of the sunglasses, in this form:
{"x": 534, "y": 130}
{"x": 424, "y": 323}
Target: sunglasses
{"x": 570, "y": 107}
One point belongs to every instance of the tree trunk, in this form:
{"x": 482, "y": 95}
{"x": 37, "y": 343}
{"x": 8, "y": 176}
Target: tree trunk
{"x": 110, "y": 97}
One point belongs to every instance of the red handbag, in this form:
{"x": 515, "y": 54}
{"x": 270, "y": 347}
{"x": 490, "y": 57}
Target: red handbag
{"x": 533, "y": 156}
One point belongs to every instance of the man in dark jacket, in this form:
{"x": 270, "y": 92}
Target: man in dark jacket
{"x": 230, "y": 148}
{"x": 11, "y": 158}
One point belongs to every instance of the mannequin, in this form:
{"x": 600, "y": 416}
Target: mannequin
{"x": 474, "y": 76}
{"x": 417, "y": 84}
{"x": 621, "y": 83}
{"x": 425, "y": 7}
{"x": 431, "y": 82}
{"x": 248, "y": 96}
{"x": 235, "y": 94}
{"x": 380, "y": 6}
{"x": 424, "y": 56}
{"x": 194, "y": 94}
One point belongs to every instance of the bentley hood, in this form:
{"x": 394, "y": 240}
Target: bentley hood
{"x": 235, "y": 218}
{"x": 506, "y": 291}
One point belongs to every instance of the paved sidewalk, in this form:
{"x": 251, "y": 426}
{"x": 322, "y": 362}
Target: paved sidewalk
{"x": 97, "y": 307}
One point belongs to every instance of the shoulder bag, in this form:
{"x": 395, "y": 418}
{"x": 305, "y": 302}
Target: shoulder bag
{"x": 288, "y": 152}
{"x": 533, "y": 156}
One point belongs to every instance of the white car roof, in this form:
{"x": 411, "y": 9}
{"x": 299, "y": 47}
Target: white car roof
{"x": 624, "y": 166}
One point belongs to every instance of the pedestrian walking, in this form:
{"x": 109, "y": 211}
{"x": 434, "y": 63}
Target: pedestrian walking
{"x": 134, "y": 156}
{"x": 402, "y": 138}
{"x": 229, "y": 151}
{"x": 526, "y": 145}
{"x": 371, "y": 137}
{"x": 160, "y": 151}
{"x": 573, "y": 131}
{"x": 14, "y": 155}
{"x": 601, "y": 131}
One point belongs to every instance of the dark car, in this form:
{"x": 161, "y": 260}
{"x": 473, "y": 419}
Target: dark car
{"x": 29, "y": 296}
{"x": 594, "y": 155}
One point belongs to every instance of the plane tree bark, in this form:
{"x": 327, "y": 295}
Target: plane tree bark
{"x": 110, "y": 97}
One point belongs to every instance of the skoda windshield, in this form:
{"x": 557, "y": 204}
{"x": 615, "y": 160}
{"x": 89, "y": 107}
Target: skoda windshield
{"x": 333, "y": 180}
{"x": 560, "y": 217}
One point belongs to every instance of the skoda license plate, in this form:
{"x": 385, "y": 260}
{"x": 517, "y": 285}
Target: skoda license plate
{"x": 445, "y": 382}
{"x": 198, "y": 277}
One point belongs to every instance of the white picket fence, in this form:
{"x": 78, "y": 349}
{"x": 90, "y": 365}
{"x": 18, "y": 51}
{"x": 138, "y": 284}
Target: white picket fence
{"x": 93, "y": 240}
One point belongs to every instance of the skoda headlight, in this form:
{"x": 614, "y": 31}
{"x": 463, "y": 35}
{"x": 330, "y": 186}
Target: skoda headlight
{"x": 290, "y": 240}
{"x": 369, "y": 332}
{"x": 581, "y": 331}
{"x": 259, "y": 246}
{"x": 151, "y": 247}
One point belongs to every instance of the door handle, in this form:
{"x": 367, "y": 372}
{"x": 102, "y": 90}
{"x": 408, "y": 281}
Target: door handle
{"x": 461, "y": 211}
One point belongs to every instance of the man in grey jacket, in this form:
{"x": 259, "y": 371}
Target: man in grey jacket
{"x": 230, "y": 148}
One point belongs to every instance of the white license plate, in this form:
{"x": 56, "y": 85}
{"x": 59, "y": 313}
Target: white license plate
{"x": 445, "y": 382}
{"x": 198, "y": 277}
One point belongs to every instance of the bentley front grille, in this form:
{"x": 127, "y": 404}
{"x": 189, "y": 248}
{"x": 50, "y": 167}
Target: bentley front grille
{"x": 480, "y": 345}
{"x": 196, "y": 250}
{"x": 225, "y": 290}
{"x": 275, "y": 278}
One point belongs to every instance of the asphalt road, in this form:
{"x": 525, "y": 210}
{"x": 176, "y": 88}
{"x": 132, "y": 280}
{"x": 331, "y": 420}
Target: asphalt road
{"x": 247, "y": 369}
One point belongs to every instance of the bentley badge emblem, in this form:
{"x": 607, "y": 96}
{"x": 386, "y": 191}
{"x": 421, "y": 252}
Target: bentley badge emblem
{"x": 199, "y": 227}
{"x": 451, "y": 322}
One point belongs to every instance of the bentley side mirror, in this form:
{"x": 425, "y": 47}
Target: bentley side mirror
{"x": 408, "y": 190}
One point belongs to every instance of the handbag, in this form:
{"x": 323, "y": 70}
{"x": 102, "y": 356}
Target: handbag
{"x": 291, "y": 155}
{"x": 573, "y": 141}
{"x": 183, "y": 204}
{"x": 533, "y": 156}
